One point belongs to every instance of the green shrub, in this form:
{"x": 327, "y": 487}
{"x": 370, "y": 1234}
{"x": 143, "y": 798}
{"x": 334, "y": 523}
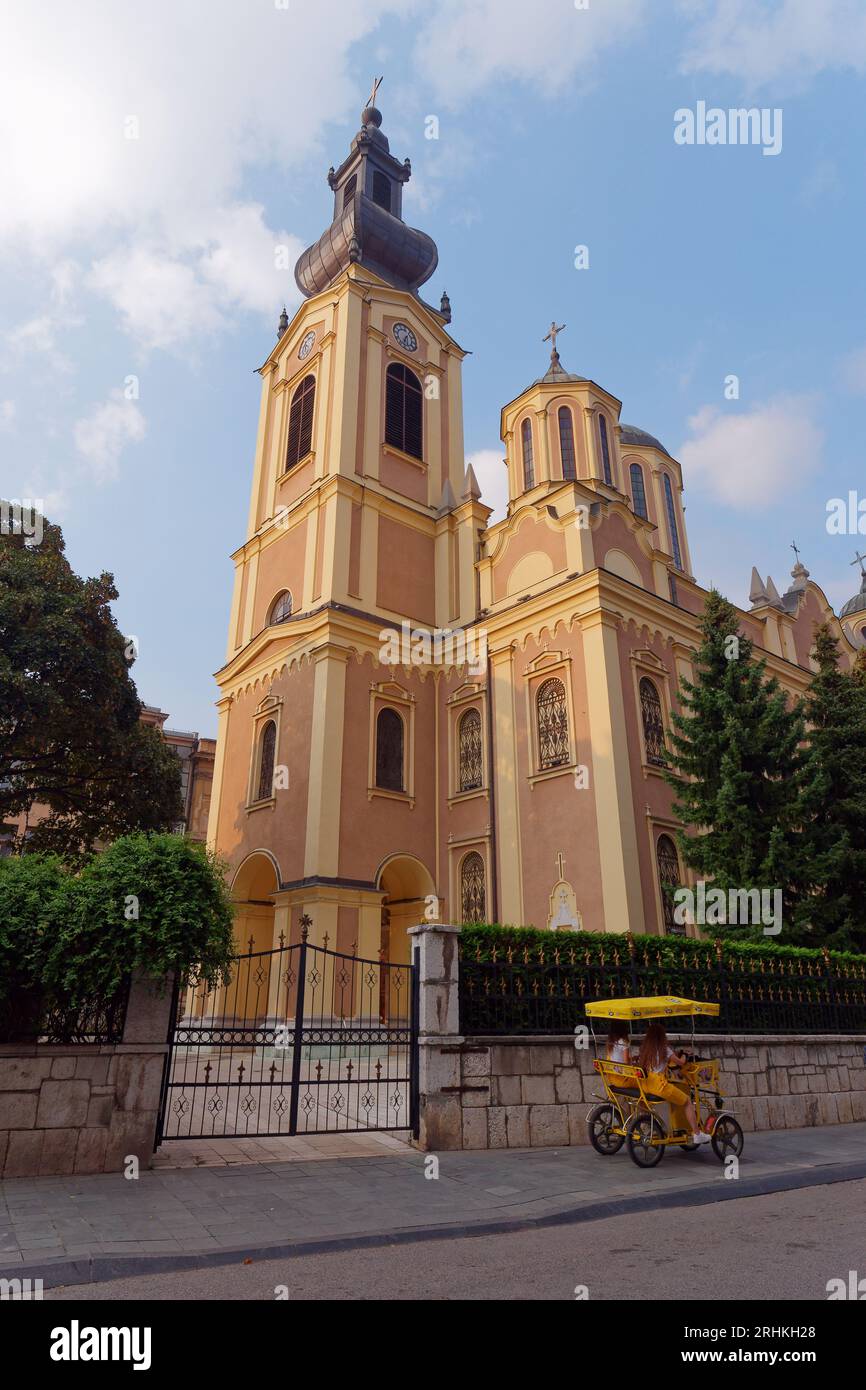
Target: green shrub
{"x": 157, "y": 903}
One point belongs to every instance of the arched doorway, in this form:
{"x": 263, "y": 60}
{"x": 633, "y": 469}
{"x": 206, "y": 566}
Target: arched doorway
{"x": 407, "y": 884}
{"x": 253, "y": 889}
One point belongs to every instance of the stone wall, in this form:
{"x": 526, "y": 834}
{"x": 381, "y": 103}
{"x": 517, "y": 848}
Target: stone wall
{"x": 525, "y": 1092}
{"x": 85, "y": 1109}
{"x": 519, "y": 1092}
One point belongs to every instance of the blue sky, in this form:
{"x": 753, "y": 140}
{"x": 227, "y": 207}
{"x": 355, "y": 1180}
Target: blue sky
{"x": 153, "y": 157}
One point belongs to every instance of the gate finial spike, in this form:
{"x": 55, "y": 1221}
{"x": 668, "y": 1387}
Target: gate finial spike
{"x": 306, "y": 923}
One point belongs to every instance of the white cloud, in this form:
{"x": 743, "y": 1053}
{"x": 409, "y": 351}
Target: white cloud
{"x": 213, "y": 93}
{"x": 784, "y": 44}
{"x": 754, "y": 458}
{"x": 101, "y": 437}
{"x": 466, "y": 43}
{"x": 492, "y": 475}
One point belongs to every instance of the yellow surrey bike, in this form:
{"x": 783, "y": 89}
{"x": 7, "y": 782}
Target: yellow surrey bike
{"x": 630, "y": 1114}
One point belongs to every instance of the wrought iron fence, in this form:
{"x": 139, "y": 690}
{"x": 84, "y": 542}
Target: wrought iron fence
{"x": 543, "y": 990}
{"x": 298, "y": 1040}
{"x": 29, "y": 1018}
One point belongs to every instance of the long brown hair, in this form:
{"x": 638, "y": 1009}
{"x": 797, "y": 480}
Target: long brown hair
{"x": 653, "y": 1049}
{"x": 617, "y": 1032}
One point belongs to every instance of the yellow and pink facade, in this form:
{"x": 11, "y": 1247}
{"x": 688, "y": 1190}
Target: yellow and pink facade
{"x": 523, "y": 786}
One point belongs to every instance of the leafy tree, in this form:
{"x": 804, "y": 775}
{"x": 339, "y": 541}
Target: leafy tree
{"x": 31, "y": 890}
{"x": 70, "y": 734}
{"x": 156, "y": 903}
{"x": 834, "y": 801}
{"x": 152, "y": 903}
{"x": 736, "y": 767}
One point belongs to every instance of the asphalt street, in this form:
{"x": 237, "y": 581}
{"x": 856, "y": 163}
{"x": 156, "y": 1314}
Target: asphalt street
{"x": 785, "y": 1245}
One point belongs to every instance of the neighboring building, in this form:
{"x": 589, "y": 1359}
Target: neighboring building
{"x": 197, "y": 763}
{"x": 196, "y": 772}
{"x": 356, "y": 785}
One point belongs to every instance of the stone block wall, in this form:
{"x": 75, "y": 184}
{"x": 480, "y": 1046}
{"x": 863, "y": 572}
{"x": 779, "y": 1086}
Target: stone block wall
{"x": 85, "y": 1109}
{"x": 530, "y": 1092}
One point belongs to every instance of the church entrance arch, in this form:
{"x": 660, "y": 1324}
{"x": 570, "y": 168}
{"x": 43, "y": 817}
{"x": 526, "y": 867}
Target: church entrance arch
{"x": 407, "y": 884}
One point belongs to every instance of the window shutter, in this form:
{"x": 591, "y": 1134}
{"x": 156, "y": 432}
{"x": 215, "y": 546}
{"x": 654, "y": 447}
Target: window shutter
{"x": 404, "y": 414}
{"x": 382, "y": 190}
{"x": 301, "y": 422}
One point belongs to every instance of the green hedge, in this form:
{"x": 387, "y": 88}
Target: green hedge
{"x": 489, "y": 942}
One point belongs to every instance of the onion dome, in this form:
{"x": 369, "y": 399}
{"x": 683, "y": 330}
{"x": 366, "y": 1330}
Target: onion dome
{"x": 368, "y": 227}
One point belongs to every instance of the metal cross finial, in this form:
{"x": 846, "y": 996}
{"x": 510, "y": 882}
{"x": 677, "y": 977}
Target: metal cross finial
{"x": 377, "y": 82}
{"x": 551, "y": 336}
{"x": 796, "y": 551}
{"x": 859, "y": 560}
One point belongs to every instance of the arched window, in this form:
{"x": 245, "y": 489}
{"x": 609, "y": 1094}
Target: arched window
{"x": 469, "y": 750}
{"x": 566, "y": 443}
{"x": 382, "y": 190}
{"x": 669, "y": 880}
{"x": 389, "y": 751}
{"x": 552, "y": 716}
{"x": 672, "y": 523}
{"x": 301, "y": 422}
{"x": 605, "y": 449}
{"x": 473, "y": 903}
{"x": 403, "y": 410}
{"x": 349, "y": 191}
{"x": 281, "y": 608}
{"x": 267, "y": 750}
{"x": 638, "y": 491}
{"x": 528, "y": 463}
{"x": 653, "y": 724}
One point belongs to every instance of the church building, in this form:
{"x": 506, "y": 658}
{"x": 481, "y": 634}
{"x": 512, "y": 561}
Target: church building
{"x": 415, "y": 704}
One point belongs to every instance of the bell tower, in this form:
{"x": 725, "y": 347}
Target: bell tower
{"x": 361, "y": 518}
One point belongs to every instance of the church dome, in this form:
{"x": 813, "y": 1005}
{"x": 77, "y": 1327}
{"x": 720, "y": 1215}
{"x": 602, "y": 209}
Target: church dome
{"x": 630, "y": 434}
{"x": 857, "y": 604}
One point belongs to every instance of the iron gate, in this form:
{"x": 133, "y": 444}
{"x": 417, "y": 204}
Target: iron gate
{"x": 299, "y": 1040}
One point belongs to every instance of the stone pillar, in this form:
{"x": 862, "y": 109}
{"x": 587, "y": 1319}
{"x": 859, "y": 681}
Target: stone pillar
{"x": 438, "y": 1035}
{"x": 136, "y": 1073}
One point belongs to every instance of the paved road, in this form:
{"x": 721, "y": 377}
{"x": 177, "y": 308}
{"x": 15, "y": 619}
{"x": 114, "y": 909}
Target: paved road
{"x": 783, "y": 1246}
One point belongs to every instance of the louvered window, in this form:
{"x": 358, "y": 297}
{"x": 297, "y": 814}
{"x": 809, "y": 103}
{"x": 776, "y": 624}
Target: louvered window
{"x": 552, "y": 714}
{"x": 389, "y": 751}
{"x": 669, "y": 881}
{"x": 528, "y": 460}
{"x": 566, "y": 443}
{"x": 653, "y": 724}
{"x": 349, "y": 191}
{"x": 672, "y": 523}
{"x": 267, "y": 749}
{"x": 472, "y": 895}
{"x": 469, "y": 741}
{"x": 382, "y": 190}
{"x": 638, "y": 491}
{"x": 404, "y": 411}
{"x": 605, "y": 450}
{"x": 301, "y": 422}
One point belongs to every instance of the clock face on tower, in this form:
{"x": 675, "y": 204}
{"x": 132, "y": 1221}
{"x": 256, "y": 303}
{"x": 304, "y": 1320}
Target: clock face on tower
{"x": 306, "y": 345}
{"x": 405, "y": 337}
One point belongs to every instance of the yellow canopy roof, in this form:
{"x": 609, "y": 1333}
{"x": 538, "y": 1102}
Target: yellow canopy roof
{"x": 661, "y": 1006}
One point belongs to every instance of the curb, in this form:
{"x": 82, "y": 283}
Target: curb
{"x": 98, "y": 1269}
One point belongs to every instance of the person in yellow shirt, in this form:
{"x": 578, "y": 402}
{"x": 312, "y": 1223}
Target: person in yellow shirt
{"x": 655, "y": 1056}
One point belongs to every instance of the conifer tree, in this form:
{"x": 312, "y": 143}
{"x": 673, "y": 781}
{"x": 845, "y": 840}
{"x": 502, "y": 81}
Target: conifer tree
{"x": 834, "y": 802}
{"x": 736, "y": 765}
